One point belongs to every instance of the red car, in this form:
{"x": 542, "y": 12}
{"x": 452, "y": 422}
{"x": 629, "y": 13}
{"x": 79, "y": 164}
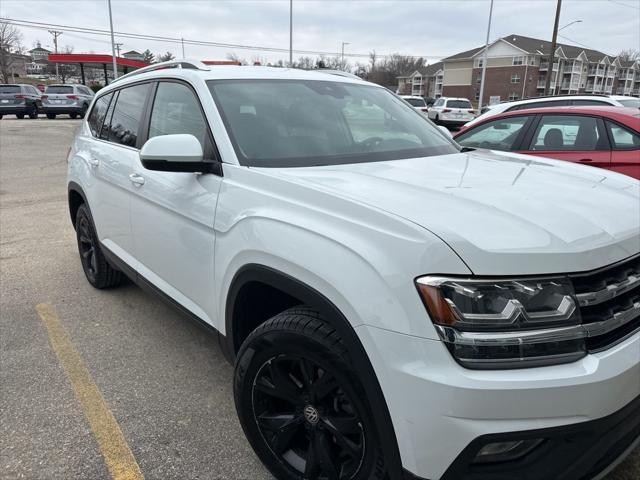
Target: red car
{"x": 606, "y": 137}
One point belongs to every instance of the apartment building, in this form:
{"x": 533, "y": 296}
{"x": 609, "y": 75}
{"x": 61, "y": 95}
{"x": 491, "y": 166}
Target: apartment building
{"x": 426, "y": 82}
{"x": 517, "y": 67}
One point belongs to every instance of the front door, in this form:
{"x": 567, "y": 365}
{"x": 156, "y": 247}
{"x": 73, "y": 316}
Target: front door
{"x": 172, "y": 213}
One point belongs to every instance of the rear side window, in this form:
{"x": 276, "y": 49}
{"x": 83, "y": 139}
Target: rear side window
{"x": 587, "y": 103}
{"x": 458, "y": 104}
{"x": 567, "y": 132}
{"x": 98, "y": 114}
{"x": 59, "y": 89}
{"x": 177, "y": 110}
{"x": 127, "y": 114}
{"x": 9, "y": 89}
{"x": 623, "y": 139}
{"x": 555, "y": 103}
{"x": 496, "y": 135}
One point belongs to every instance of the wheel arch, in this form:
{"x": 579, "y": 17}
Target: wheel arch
{"x": 300, "y": 293}
{"x": 75, "y": 197}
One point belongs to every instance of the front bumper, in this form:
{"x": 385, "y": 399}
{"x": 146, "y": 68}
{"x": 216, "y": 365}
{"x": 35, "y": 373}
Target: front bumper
{"x": 443, "y": 414}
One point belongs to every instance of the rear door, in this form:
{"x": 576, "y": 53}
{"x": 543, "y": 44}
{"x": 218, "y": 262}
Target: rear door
{"x": 574, "y": 138}
{"x": 112, "y": 156}
{"x": 625, "y": 143}
{"x": 173, "y": 213}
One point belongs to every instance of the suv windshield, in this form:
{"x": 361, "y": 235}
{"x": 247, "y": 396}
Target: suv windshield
{"x": 59, "y": 89}
{"x": 299, "y": 123}
{"x": 416, "y": 102}
{"x": 458, "y": 104}
{"x": 9, "y": 89}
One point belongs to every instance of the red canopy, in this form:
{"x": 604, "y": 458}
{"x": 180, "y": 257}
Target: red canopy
{"x": 95, "y": 60}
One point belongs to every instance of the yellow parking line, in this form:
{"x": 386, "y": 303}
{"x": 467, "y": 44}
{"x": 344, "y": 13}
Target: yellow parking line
{"x": 115, "y": 450}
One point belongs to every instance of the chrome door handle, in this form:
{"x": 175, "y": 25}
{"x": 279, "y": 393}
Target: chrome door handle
{"x": 137, "y": 179}
{"x": 94, "y": 162}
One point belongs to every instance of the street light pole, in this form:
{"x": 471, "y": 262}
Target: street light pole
{"x": 342, "y": 57}
{"x": 484, "y": 59}
{"x": 113, "y": 44}
{"x": 569, "y": 24}
{"x": 290, "y": 33}
{"x": 552, "y": 53}
{"x": 56, "y": 34}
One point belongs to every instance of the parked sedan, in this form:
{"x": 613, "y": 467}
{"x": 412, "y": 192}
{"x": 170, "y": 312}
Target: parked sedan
{"x": 606, "y": 137}
{"x": 19, "y": 100}
{"x": 73, "y": 100}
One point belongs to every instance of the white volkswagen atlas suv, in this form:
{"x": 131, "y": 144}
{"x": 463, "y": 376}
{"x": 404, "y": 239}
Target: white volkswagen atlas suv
{"x": 396, "y": 306}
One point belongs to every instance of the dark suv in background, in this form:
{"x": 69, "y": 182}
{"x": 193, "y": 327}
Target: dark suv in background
{"x": 19, "y": 100}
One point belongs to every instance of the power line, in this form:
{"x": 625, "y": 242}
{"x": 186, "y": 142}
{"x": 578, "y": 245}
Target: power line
{"x": 157, "y": 38}
{"x": 625, "y": 5}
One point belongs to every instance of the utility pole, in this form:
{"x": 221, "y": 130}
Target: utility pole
{"x": 484, "y": 59}
{"x": 182, "y": 41}
{"x": 342, "y": 55}
{"x": 552, "y": 53}
{"x": 56, "y": 34}
{"x": 290, "y": 33}
{"x": 113, "y": 46}
{"x": 118, "y": 45}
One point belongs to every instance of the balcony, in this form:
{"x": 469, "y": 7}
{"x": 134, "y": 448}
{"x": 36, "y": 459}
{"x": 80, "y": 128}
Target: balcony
{"x": 596, "y": 71}
{"x": 545, "y": 66}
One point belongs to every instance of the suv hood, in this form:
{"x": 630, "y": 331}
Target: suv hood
{"x": 503, "y": 214}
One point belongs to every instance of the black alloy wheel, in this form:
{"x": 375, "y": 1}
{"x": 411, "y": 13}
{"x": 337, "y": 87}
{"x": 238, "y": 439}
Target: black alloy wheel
{"x": 301, "y": 403}
{"x": 88, "y": 248}
{"x": 307, "y": 419}
{"x": 20, "y": 116}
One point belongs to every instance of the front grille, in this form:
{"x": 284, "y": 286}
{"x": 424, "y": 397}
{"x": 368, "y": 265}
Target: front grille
{"x": 609, "y": 301}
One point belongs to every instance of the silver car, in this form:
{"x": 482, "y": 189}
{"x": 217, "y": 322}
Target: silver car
{"x": 73, "y": 100}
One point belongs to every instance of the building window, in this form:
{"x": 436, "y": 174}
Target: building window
{"x": 477, "y": 96}
{"x": 479, "y": 79}
{"x": 515, "y": 78}
{"x": 513, "y": 97}
{"x": 519, "y": 60}
{"x": 478, "y": 62}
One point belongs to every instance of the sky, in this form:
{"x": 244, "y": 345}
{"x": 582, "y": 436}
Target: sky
{"x": 429, "y": 28}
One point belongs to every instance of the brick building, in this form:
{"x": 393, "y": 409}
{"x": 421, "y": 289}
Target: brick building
{"x": 517, "y": 67}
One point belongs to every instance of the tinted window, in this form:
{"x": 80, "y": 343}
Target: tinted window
{"x": 177, "y": 110}
{"x": 458, "y": 104}
{"x": 125, "y": 122}
{"x": 59, "y": 89}
{"x": 631, "y": 102}
{"x": 439, "y": 103}
{"x": 416, "y": 102}
{"x": 622, "y": 138}
{"x": 586, "y": 103}
{"x": 558, "y": 132}
{"x": 104, "y": 131}
{"x": 98, "y": 114}
{"x": 9, "y": 89}
{"x": 309, "y": 122}
{"x": 549, "y": 103}
{"x": 495, "y": 135}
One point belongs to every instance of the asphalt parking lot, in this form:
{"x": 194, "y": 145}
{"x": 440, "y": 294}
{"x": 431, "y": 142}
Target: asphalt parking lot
{"x": 161, "y": 380}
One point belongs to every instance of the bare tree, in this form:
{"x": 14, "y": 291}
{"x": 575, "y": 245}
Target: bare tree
{"x": 10, "y": 40}
{"x": 234, "y": 57}
{"x": 65, "y": 69}
{"x": 258, "y": 60}
{"x": 629, "y": 55}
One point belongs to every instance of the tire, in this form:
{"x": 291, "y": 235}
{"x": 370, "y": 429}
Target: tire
{"x": 20, "y": 115}
{"x": 85, "y": 107}
{"x": 73, "y": 115}
{"x": 96, "y": 268}
{"x": 301, "y": 404}
{"x": 51, "y": 116}
{"x": 0, "y": 117}
{"x": 437, "y": 120}
{"x": 33, "y": 113}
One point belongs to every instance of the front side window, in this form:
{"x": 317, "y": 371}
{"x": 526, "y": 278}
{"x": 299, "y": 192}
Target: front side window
{"x": 98, "y": 114}
{"x": 622, "y": 138}
{"x": 176, "y": 110}
{"x": 495, "y": 135}
{"x": 127, "y": 114}
{"x": 567, "y": 132}
{"x": 290, "y": 123}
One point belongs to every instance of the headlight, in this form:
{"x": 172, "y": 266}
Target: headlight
{"x": 505, "y": 323}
